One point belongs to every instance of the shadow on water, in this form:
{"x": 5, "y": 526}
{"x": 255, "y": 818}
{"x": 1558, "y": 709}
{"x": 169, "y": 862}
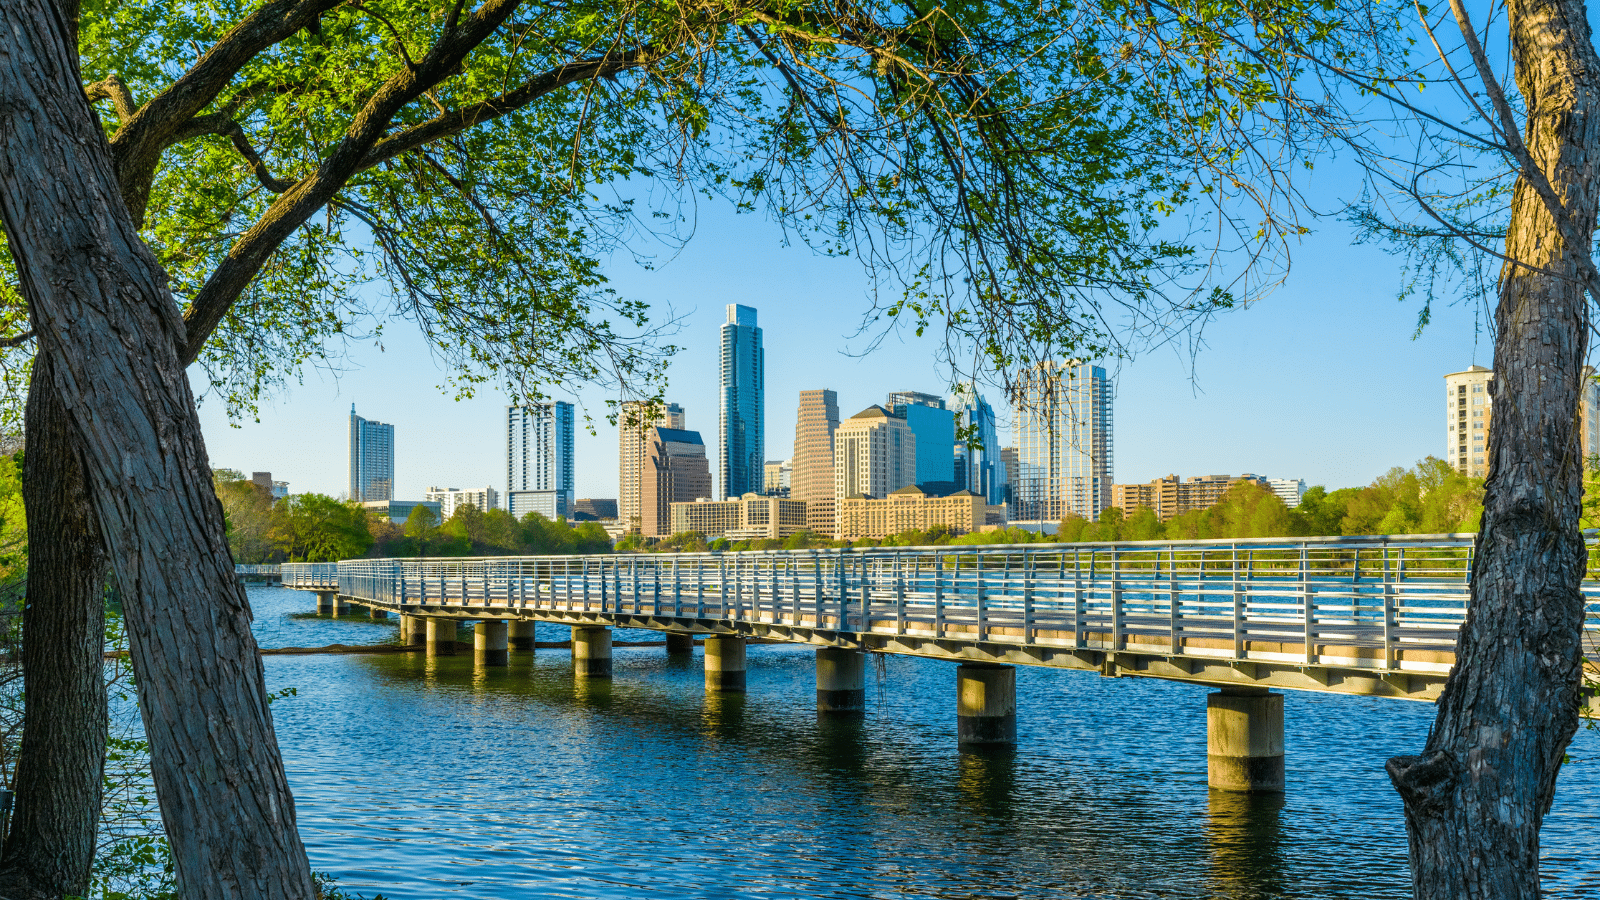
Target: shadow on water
{"x": 1245, "y": 832}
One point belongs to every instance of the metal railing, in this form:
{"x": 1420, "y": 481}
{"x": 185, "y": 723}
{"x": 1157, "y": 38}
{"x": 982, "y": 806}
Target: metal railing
{"x": 256, "y": 568}
{"x": 1389, "y": 603}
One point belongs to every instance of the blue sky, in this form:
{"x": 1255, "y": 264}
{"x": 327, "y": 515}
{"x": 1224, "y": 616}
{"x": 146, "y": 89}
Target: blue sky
{"x": 1320, "y": 380}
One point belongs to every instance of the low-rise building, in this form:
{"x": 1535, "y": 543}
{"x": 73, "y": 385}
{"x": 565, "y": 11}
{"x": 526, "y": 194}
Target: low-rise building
{"x": 910, "y": 508}
{"x": 1172, "y": 496}
{"x": 398, "y": 511}
{"x": 1289, "y": 490}
{"x": 751, "y": 517}
{"x": 452, "y": 499}
{"x": 591, "y": 509}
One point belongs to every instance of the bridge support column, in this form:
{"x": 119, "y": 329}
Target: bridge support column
{"x": 378, "y": 612}
{"x": 679, "y": 643}
{"x": 591, "y": 651}
{"x": 725, "y": 663}
{"x": 986, "y": 703}
{"x": 325, "y": 601}
{"x": 1244, "y": 740}
{"x": 521, "y": 635}
{"x": 841, "y": 680}
{"x": 441, "y": 637}
{"x": 413, "y": 633}
{"x": 489, "y": 643}
{"x": 342, "y": 606}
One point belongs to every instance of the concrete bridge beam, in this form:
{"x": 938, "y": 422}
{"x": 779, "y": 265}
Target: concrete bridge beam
{"x": 1244, "y": 740}
{"x": 441, "y": 637}
{"x": 679, "y": 643}
{"x": 378, "y": 612}
{"x": 725, "y": 663}
{"x": 841, "y": 680}
{"x": 591, "y": 651}
{"x": 489, "y": 643}
{"x": 521, "y": 635}
{"x": 986, "y": 703}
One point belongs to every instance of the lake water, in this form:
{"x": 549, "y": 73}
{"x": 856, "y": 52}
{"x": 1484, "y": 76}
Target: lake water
{"x": 426, "y": 778}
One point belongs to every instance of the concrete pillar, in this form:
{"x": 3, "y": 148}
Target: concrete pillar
{"x": 679, "y": 643}
{"x": 591, "y": 651}
{"x": 725, "y": 663}
{"x": 1244, "y": 740}
{"x": 441, "y": 637}
{"x": 841, "y": 680}
{"x": 342, "y": 606}
{"x": 413, "y": 633}
{"x": 489, "y": 643}
{"x": 986, "y": 703}
{"x": 521, "y": 635}
{"x": 325, "y": 602}
{"x": 378, "y": 612}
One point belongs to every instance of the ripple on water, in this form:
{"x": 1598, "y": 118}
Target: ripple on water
{"x": 427, "y": 779}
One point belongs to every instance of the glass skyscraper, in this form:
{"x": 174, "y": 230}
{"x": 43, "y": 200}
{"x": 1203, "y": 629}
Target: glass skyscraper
{"x": 741, "y": 447}
{"x": 1063, "y": 443}
{"x": 539, "y": 459}
{"x": 371, "y": 459}
{"x": 935, "y": 428}
{"x": 978, "y": 465}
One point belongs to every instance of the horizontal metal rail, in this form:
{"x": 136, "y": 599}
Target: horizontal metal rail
{"x": 257, "y": 568}
{"x": 1388, "y": 604}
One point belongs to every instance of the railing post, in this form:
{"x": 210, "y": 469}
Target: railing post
{"x": 844, "y": 589}
{"x": 1116, "y": 599}
{"x": 1238, "y": 603}
{"x": 677, "y": 593}
{"x": 1173, "y": 626}
{"x": 1308, "y": 600}
{"x": 899, "y": 592}
{"x": 1027, "y": 597}
{"x": 1388, "y": 613}
{"x": 977, "y": 584}
{"x": 938, "y": 594}
{"x": 1078, "y": 602}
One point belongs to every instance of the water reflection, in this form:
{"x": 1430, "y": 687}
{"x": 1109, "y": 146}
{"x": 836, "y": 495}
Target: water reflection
{"x": 723, "y": 715}
{"x": 592, "y": 693}
{"x": 986, "y": 779}
{"x": 1246, "y": 836}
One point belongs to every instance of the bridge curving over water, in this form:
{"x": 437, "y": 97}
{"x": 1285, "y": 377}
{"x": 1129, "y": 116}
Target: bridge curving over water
{"x": 1374, "y": 616}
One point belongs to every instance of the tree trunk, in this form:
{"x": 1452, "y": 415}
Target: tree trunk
{"x": 100, "y": 307}
{"x": 1477, "y": 795}
{"x": 50, "y": 849}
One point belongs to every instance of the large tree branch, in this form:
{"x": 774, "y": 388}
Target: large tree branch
{"x": 301, "y": 200}
{"x": 113, "y": 88}
{"x": 136, "y": 148}
{"x": 297, "y": 204}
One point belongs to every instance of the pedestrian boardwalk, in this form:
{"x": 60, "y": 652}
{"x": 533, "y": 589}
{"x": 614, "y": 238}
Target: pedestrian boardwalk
{"x": 1365, "y": 615}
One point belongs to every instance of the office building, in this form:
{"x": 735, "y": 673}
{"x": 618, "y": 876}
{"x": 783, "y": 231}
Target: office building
{"x": 1008, "y": 460}
{"x": 741, "y": 447}
{"x": 811, "y": 476}
{"x": 935, "y": 428}
{"x": 778, "y": 479}
{"x": 591, "y": 509}
{"x": 277, "y": 490}
{"x": 749, "y": 518}
{"x": 1172, "y": 496}
{"x": 635, "y": 418}
{"x": 675, "y": 470}
{"x": 1289, "y": 490}
{"x": 874, "y": 454}
{"x": 371, "y": 459}
{"x": 1468, "y": 414}
{"x": 1063, "y": 443}
{"x": 979, "y": 467}
{"x": 398, "y": 511}
{"x": 539, "y": 475}
{"x": 452, "y": 499}
{"x": 910, "y": 508}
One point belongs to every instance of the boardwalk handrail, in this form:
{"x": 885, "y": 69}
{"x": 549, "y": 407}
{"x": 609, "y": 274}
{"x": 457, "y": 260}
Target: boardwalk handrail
{"x": 257, "y": 568}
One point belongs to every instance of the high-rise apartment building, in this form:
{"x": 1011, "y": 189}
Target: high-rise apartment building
{"x": 452, "y": 499}
{"x": 978, "y": 464}
{"x": 539, "y": 459}
{"x": 634, "y": 421}
{"x": 874, "y": 454}
{"x": 1063, "y": 443}
{"x": 1467, "y": 418}
{"x": 935, "y": 428}
{"x": 811, "y": 468}
{"x": 675, "y": 471}
{"x": 741, "y": 447}
{"x": 371, "y": 459}
{"x": 1289, "y": 490}
{"x": 1172, "y": 496}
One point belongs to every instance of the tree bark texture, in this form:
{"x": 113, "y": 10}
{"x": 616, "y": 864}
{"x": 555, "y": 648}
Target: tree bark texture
{"x": 49, "y": 851}
{"x": 1477, "y": 795}
{"x": 103, "y": 315}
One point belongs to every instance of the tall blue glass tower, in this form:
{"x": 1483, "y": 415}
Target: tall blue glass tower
{"x": 741, "y": 448}
{"x": 978, "y": 465}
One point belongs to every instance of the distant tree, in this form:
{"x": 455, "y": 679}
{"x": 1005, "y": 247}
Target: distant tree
{"x": 318, "y": 528}
{"x": 253, "y": 520}
{"x": 421, "y": 531}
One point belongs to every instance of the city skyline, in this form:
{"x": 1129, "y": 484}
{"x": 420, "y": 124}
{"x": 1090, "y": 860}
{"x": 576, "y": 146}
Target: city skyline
{"x": 1230, "y": 415}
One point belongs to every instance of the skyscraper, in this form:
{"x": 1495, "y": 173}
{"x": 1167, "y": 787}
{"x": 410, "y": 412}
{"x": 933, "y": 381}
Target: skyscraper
{"x": 978, "y": 464}
{"x": 539, "y": 459}
{"x": 1468, "y": 414}
{"x": 1063, "y": 443}
{"x": 371, "y": 459}
{"x": 811, "y": 468}
{"x": 935, "y": 428}
{"x": 741, "y": 450}
{"x": 635, "y": 418}
{"x": 675, "y": 471}
{"x": 874, "y": 454}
